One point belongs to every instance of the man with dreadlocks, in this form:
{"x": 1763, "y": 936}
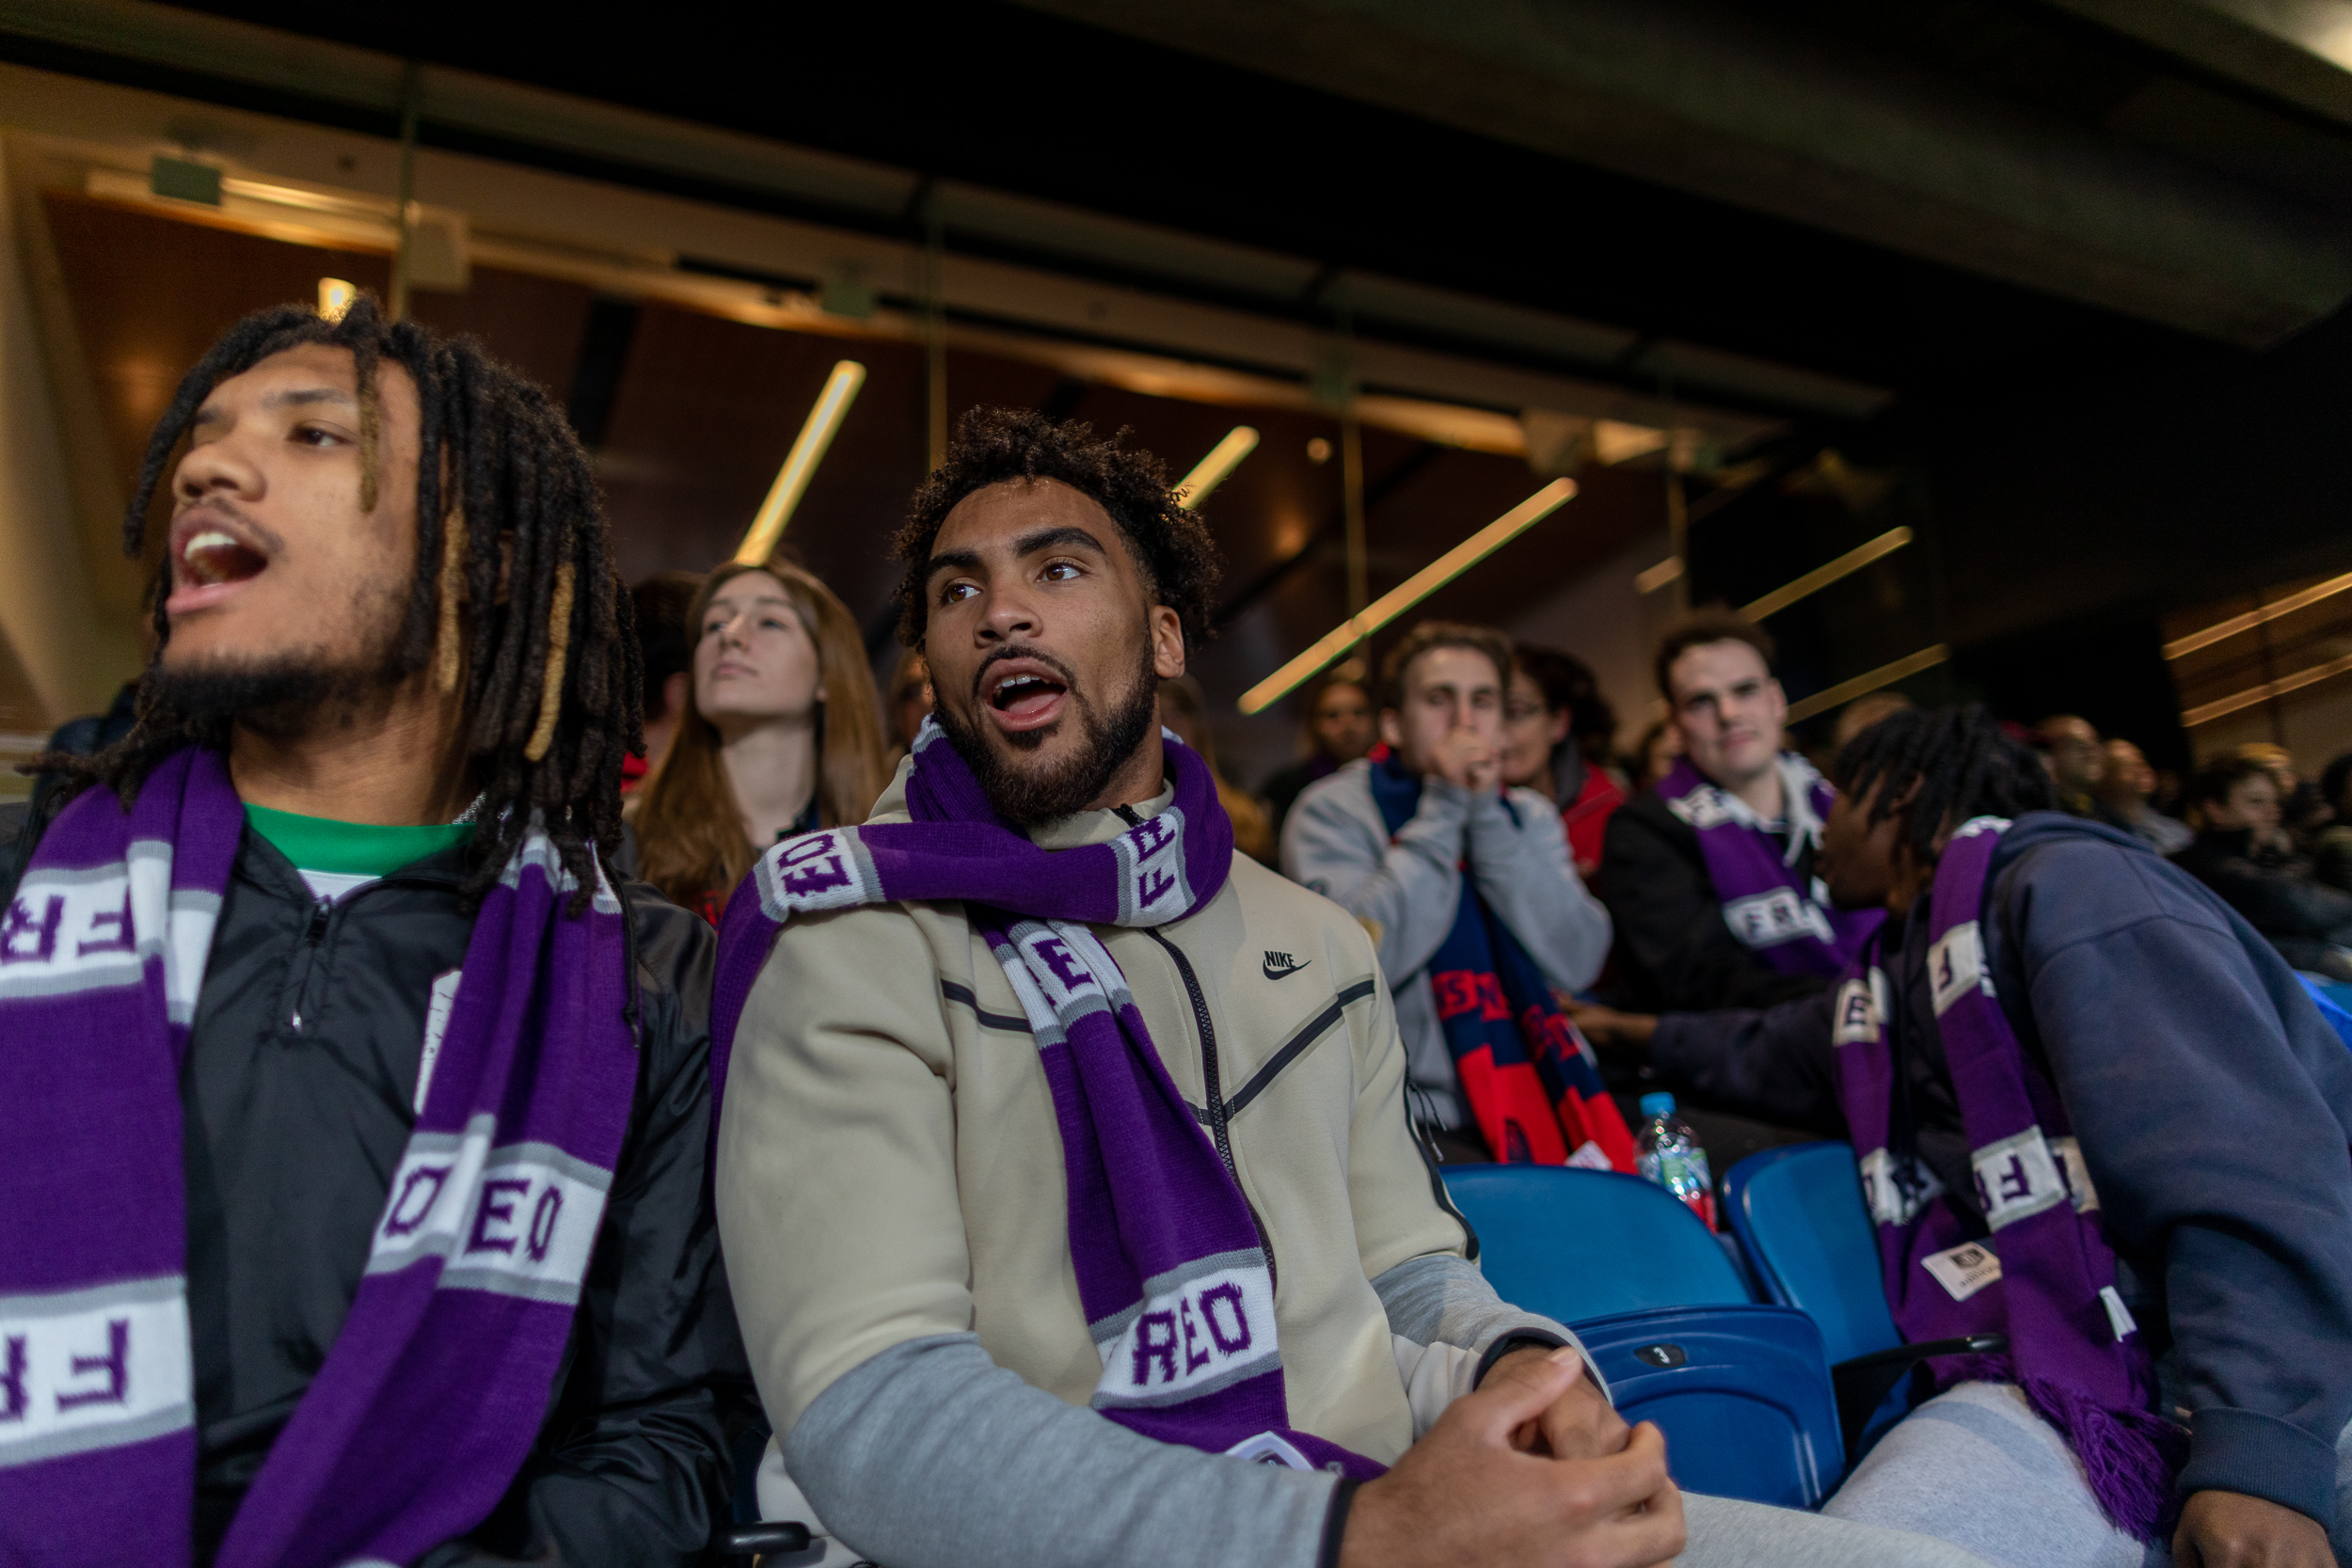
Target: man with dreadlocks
{"x": 354, "y": 1160}
{"x": 1038, "y": 1084}
{"x": 2098, "y": 1115}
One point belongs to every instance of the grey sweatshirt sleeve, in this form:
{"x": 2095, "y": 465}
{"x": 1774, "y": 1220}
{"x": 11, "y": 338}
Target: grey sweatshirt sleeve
{"x": 1443, "y": 1300}
{"x": 930, "y": 1455}
{"x": 1519, "y": 855}
{"x": 1407, "y": 887}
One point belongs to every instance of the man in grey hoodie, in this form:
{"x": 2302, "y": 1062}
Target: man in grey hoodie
{"x": 1441, "y": 725}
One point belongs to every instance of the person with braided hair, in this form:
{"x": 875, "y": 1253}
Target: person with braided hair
{"x": 2096, "y": 1114}
{"x": 356, "y": 1201}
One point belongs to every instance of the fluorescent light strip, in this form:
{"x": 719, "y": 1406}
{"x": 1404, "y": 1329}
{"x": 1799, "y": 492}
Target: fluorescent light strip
{"x": 1406, "y": 595}
{"x": 1862, "y": 686}
{"x": 1657, "y": 576}
{"x": 2252, "y": 618}
{"x": 1822, "y": 577}
{"x": 1210, "y": 471}
{"x": 2206, "y": 712}
{"x": 799, "y": 464}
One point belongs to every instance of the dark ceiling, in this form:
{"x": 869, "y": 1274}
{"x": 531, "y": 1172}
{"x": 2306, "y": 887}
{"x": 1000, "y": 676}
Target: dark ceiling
{"x": 996, "y": 94}
{"x": 2074, "y": 471}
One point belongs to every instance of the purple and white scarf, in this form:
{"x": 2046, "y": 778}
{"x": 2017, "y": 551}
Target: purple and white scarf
{"x": 1175, "y": 1279}
{"x": 1785, "y": 920}
{"x": 2046, "y": 1276}
{"x": 440, "y": 1377}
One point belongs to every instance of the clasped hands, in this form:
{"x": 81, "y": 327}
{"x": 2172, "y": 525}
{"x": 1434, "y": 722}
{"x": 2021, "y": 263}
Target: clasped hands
{"x": 1533, "y": 1468}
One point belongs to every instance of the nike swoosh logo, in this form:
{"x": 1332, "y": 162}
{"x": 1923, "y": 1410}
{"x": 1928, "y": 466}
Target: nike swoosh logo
{"x": 1279, "y": 964}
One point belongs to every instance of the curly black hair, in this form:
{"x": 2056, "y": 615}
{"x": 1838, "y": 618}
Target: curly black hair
{"x": 1169, "y": 544}
{"x": 547, "y": 664}
{"x": 1964, "y": 764}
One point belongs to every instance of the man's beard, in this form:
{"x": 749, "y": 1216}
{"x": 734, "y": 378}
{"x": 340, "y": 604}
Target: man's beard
{"x": 288, "y": 695}
{"x": 1028, "y": 797}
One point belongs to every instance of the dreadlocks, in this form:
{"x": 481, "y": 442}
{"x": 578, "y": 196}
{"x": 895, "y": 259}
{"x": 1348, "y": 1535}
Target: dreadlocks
{"x": 514, "y": 599}
{"x": 1963, "y": 762}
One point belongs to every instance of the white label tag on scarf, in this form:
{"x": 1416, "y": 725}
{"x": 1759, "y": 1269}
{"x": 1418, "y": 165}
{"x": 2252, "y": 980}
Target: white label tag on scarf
{"x": 2118, "y": 1316}
{"x": 1955, "y": 963}
{"x": 1589, "y": 1155}
{"x": 2016, "y": 1178}
{"x": 436, "y": 1026}
{"x": 1963, "y": 1270}
{"x": 1769, "y": 919}
{"x": 1861, "y": 1009}
{"x": 1269, "y": 1447}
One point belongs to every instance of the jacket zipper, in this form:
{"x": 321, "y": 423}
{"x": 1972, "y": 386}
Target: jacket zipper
{"x": 321, "y": 908}
{"x": 315, "y": 934}
{"x": 1215, "y": 1091}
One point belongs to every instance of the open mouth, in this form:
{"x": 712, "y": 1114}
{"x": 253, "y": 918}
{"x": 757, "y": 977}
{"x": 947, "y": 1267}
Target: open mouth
{"x": 212, "y": 558}
{"x": 1026, "y": 698}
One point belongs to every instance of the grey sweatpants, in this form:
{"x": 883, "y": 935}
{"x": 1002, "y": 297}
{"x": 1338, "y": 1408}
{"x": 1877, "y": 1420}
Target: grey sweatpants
{"x": 1977, "y": 1466}
{"x": 1724, "y": 1533}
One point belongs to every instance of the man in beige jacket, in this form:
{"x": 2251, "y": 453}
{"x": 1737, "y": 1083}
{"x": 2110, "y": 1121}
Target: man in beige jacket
{"x": 891, "y": 1180}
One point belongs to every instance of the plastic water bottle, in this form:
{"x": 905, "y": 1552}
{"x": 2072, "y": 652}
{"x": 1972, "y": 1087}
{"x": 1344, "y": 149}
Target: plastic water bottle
{"x": 1671, "y": 1156}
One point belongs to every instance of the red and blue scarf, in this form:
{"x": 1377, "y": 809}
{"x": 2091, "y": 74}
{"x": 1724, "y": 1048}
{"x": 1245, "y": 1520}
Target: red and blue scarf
{"x": 1531, "y": 1079}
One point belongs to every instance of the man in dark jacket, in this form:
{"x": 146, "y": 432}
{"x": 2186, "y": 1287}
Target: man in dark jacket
{"x": 2243, "y": 855}
{"x": 2213, "y": 1113}
{"x": 416, "y": 707}
{"x": 1684, "y": 940}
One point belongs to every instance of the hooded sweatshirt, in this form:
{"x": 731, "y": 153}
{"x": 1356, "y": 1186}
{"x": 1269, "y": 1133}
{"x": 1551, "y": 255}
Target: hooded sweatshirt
{"x": 2213, "y": 1104}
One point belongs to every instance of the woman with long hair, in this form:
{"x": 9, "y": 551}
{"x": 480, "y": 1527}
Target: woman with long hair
{"x": 782, "y": 733}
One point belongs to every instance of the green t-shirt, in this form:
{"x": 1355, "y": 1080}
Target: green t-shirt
{"x": 339, "y": 858}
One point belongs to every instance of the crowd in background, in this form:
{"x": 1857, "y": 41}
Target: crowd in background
{"x": 784, "y": 731}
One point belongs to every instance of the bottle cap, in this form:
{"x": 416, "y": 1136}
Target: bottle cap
{"x": 1657, "y": 1104}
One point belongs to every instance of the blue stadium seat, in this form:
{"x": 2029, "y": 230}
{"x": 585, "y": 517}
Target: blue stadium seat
{"x": 1797, "y": 1212}
{"x": 2334, "y": 1000}
{"x": 1743, "y": 1394}
{"x": 1575, "y": 1243}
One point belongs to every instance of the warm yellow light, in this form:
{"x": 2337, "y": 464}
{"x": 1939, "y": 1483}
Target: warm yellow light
{"x": 2252, "y": 618}
{"x": 2205, "y": 713}
{"x": 335, "y": 297}
{"x": 1406, "y": 595}
{"x": 1885, "y": 675}
{"x": 1210, "y": 471}
{"x": 1822, "y": 577}
{"x": 799, "y": 464}
{"x": 1652, "y": 579}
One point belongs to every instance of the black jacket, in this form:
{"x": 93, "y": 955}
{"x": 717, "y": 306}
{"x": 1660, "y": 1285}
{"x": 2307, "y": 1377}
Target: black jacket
{"x": 1674, "y": 952}
{"x": 2213, "y": 1104}
{"x": 296, "y": 1097}
{"x": 2274, "y": 889}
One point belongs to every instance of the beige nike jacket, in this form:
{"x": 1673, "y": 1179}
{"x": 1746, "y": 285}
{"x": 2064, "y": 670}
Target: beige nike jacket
{"x": 889, "y": 1167}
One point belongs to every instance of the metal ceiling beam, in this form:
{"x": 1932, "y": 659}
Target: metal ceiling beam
{"x": 342, "y": 85}
{"x": 1731, "y": 105}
